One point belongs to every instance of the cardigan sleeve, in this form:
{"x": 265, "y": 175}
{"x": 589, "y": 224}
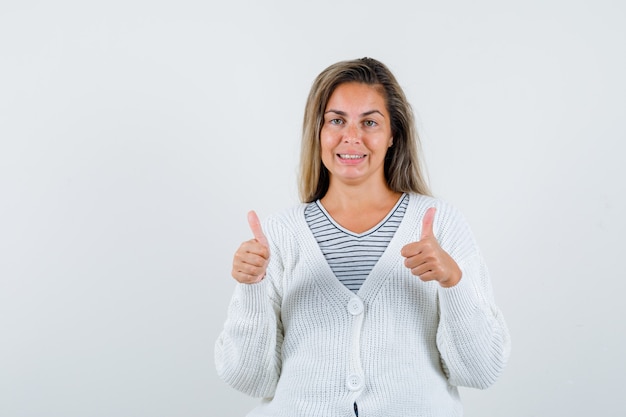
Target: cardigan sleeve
{"x": 472, "y": 337}
{"x": 248, "y": 350}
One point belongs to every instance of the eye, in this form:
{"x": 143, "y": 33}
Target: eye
{"x": 370, "y": 123}
{"x": 335, "y": 121}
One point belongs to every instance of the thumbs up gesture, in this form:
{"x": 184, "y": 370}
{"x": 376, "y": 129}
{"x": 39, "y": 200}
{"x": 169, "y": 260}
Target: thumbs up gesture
{"x": 427, "y": 259}
{"x": 251, "y": 259}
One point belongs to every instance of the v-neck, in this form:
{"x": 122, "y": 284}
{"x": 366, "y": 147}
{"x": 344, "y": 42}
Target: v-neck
{"x": 382, "y": 270}
{"x": 367, "y": 232}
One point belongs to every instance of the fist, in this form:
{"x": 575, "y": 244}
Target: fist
{"x": 427, "y": 260}
{"x": 251, "y": 259}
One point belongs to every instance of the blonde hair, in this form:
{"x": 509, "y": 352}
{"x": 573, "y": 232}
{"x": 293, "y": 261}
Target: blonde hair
{"x": 403, "y": 170}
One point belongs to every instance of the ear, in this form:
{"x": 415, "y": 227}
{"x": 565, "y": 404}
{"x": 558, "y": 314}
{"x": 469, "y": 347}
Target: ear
{"x": 390, "y": 142}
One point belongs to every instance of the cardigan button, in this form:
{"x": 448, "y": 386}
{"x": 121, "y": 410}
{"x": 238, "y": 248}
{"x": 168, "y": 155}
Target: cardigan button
{"x": 354, "y": 382}
{"x": 355, "y": 306}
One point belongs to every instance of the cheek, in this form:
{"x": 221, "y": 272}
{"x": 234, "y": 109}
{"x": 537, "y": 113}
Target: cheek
{"x": 380, "y": 143}
{"x": 326, "y": 144}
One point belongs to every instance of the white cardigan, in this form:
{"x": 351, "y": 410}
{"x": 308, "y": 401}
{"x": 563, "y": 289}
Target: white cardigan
{"x": 399, "y": 347}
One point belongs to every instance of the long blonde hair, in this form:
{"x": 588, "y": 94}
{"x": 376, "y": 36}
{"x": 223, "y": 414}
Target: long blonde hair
{"x": 403, "y": 171}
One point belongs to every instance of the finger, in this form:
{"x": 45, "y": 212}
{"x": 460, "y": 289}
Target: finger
{"x": 253, "y": 247}
{"x": 410, "y": 249}
{"x": 246, "y": 278}
{"x": 416, "y": 248}
{"x": 256, "y": 258}
{"x": 255, "y": 226}
{"x": 250, "y": 262}
{"x": 418, "y": 262}
{"x": 425, "y": 275}
{"x": 250, "y": 268}
{"x": 427, "y": 223}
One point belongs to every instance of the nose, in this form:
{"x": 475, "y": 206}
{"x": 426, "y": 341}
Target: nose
{"x": 352, "y": 134}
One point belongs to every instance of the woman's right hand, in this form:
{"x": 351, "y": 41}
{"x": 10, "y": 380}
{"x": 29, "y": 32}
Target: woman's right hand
{"x": 251, "y": 259}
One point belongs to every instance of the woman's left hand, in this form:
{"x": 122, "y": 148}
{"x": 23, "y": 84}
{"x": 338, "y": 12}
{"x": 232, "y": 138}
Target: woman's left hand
{"x": 427, "y": 259}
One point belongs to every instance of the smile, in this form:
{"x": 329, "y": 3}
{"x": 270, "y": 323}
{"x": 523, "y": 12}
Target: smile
{"x": 350, "y": 156}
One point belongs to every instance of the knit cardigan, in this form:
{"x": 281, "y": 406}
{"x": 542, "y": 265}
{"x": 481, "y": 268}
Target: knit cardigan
{"x": 398, "y": 347}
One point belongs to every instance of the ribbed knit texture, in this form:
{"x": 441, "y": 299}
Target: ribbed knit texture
{"x": 398, "y": 347}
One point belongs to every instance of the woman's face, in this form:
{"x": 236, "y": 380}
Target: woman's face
{"x": 356, "y": 134}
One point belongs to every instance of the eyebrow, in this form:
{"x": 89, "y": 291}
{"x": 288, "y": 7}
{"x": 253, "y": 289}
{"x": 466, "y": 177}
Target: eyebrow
{"x": 343, "y": 113}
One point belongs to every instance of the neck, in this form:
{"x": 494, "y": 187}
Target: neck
{"x": 359, "y": 208}
{"x": 358, "y": 197}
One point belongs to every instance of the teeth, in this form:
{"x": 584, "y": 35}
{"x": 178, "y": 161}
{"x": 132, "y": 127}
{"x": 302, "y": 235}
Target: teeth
{"x": 346, "y": 156}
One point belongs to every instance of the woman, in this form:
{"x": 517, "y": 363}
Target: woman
{"x": 371, "y": 298}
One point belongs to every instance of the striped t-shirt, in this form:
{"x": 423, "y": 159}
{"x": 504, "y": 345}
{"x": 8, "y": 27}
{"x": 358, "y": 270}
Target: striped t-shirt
{"x": 351, "y": 256}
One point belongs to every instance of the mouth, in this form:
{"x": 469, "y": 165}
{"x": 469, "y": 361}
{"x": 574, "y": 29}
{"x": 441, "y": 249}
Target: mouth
{"x": 350, "y": 156}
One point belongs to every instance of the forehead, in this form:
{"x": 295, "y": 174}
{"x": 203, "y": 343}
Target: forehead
{"x": 357, "y": 94}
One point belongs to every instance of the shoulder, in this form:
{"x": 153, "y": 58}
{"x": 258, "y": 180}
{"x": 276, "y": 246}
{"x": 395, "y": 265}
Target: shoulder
{"x": 450, "y": 226}
{"x": 290, "y": 216}
{"x": 418, "y": 204}
{"x": 286, "y": 222}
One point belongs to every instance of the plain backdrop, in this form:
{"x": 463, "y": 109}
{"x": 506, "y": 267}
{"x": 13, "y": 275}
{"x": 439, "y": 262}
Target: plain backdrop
{"x": 135, "y": 136}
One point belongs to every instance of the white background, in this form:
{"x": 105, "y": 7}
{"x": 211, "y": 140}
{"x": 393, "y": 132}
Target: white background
{"x": 135, "y": 136}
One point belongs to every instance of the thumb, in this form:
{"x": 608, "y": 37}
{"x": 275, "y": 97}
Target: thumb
{"x": 255, "y": 226}
{"x": 427, "y": 223}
